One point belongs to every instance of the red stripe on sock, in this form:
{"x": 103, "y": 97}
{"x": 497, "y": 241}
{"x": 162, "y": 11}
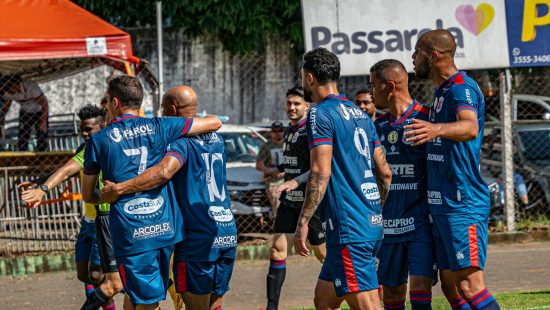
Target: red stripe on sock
{"x": 351, "y": 279}
{"x": 474, "y": 258}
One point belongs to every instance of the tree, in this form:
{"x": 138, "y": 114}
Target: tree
{"x": 241, "y": 25}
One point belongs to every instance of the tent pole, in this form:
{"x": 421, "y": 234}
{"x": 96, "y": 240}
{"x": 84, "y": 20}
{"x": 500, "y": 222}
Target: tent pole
{"x": 159, "y": 52}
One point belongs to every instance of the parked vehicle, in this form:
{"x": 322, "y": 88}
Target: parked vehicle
{"x": 531, "y": 160}
{"x": 245, "y": 184}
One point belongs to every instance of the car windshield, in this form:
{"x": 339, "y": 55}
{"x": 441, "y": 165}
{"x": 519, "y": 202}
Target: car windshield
{"x": 242, "y": 146}
{"x": 535, "y": 145}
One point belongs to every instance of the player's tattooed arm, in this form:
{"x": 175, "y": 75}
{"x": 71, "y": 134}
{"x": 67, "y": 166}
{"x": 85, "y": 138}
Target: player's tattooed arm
{"x": 465, "y": 128}
{"x": 317, "y": 183}
{"x": 209, "y": 123}
{"x": 383, "y": 173}
{"x": 150, "y": 178}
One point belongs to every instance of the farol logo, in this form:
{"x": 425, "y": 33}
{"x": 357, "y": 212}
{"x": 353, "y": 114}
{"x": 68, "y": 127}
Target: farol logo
{"x": 220, "y": 214}
{"x": 143, "y": 205}
{"x": 115, "y": 135}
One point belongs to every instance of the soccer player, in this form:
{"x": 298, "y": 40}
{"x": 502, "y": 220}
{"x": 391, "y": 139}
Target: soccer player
{"x": 407, "y": 248}
{"x": 87, "y": 254}
{"x": 296, "y": 171}
{"x": 147, "y": 224}
{"x": 363, "y": 99}
{"x": 458, "y": 198}
{"x": 203, "y": 262}
{"x": 345, "y": 156}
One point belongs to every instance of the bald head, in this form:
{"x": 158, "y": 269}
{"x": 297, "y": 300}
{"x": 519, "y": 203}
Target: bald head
{"x": 180, "y": 101}
{"x": 439, "y": 40}
{"x": 390, "y": 70}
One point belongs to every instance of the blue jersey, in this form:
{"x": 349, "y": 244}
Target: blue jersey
{"x": 146, "y": 220}
{"x": 406, "y": 210}
{"x": 455, "y": 185}
{"x": 351, "y": 206}
{"x": 201, "y": 191}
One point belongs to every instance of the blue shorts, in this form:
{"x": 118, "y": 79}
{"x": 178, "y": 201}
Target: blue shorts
{"x": 146, "y": 275}
{"x": 85, "y": 247}
{"x": 397, "y": 260}
{"x": 201, "y": 278}
{"x": 460, "y": 241}
{"x": 351, "y": 267}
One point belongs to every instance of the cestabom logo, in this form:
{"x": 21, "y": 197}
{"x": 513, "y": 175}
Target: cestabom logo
{"x": 220, "y": 214}
{"x": 370, "y": 190}
{"x": 143, "y": 205}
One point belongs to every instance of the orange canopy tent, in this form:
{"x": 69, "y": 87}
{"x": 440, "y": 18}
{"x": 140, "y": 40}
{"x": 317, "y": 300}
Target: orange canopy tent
{"x": 48, "y": 39}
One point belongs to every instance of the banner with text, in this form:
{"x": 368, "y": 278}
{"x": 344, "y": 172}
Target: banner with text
{"x": 528, "y": 32}
{"x": 364, "y": 32}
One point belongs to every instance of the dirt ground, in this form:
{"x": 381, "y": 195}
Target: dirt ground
{"x": 512, "y": 267}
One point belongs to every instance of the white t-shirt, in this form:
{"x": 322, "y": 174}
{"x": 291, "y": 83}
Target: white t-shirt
{"x": 27, "y": 97}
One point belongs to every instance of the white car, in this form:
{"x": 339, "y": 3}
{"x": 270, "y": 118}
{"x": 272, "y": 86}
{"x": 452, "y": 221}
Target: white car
{"x": 245, "y": 184}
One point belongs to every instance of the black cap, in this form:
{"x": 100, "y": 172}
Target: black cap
{"x": 277, "y": 125}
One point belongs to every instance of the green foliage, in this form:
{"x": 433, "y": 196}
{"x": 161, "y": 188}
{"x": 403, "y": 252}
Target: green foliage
{"x": 241, "y": 25}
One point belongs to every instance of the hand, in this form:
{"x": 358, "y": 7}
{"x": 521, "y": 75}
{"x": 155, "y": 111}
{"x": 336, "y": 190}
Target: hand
{"x": 33, "y": 197}
{"x": 300, "y": 240}
{"x": 421, "y": 132}
{"x": 109, "y": 192}
{"x": 26, "y": 185}
{"x": 288, "y": 186}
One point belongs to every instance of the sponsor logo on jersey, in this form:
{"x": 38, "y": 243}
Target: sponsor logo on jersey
{"x": 220, "y": 214}
{"x": 115, "y": 135}
{"x": 290, "y": 160}
{"x": 459, "y": 255}
{"x": 295, "y": 137}
{"x": 152, "y": 231}
{"x": 141, "y": 206}
{"x": 370, "y": 190}
{"x": 349, "y": 112}
{"x": 294, "y": 196}
{"x": 394, "y": 150}
{"x": 293, "y": 171}
{"x": 312, "y": 118}
{"x": 393, "y": 137}
{"x": 434, "y": 198}
{"x": 398, "y": 226}
{"x": 436, "y": 157}
{"x": 382, "y": 138}
{"x": 337, "y": 282}
{"x": 376, "y": 219}
{"x": 404, "y": 170}
{"x": 468, "y": 96}
{"x": 404, "y": 186}
{"x": 436, "y": 141}
{"x": 225, "y": 241}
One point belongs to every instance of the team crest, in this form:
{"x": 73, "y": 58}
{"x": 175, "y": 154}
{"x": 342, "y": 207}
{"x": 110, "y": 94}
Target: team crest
{"x": 393, "y": 137}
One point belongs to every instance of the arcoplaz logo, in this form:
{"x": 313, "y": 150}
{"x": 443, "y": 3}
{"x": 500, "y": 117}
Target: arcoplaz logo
{"x": 143, "y": 205}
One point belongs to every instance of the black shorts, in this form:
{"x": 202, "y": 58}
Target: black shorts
{"x": 287, "y": 220}
{"x": 103, "y": 235}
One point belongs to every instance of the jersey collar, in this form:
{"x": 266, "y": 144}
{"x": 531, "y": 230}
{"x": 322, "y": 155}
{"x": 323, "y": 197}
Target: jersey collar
{"x": 297, "y": 126}
{"x": 341, "y": 97}
{"x": 457, "y": 78}
{"x": 124, "y": 116}
{"x": 405, "y": 115}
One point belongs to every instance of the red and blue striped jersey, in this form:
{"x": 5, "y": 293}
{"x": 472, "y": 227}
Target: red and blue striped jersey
{"x": 455, "y": 185}
{"x": 351, "y": 206}
{"x": 146, "y": 220}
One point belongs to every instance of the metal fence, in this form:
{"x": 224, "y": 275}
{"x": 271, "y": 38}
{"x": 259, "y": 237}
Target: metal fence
{"x": 517, "y": 128}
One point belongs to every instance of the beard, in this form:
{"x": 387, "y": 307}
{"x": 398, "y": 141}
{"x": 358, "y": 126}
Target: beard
{"x": 422, "y": 71}
{"x": 307, "y": 94}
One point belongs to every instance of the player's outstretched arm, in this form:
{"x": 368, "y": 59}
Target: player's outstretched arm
{"x": 33, "y": 197}
{"x": 209, "y": 123}
{"x": 464, "y": 129}
{"x": 383, "y": 173}
{"x": 320, "y": 171}
{"x": 150, "y": 178}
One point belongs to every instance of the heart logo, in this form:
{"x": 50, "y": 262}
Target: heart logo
{"x": 475, "y": 20}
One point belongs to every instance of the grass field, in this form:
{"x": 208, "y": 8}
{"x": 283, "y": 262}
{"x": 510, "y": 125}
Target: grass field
{"x": 507, "y": 301}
